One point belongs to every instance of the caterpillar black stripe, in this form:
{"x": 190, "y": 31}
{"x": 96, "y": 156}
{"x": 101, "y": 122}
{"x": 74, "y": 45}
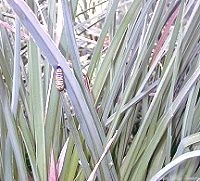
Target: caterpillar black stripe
{"x": 59, "y": 79}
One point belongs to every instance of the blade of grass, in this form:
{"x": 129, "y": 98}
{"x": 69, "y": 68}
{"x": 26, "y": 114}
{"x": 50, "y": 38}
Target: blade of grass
{"x": 52, "y": 112}
{"x": 29, "y": 144}
{"x": 8, "y": 160}
{"x": 133, "y": 101}
{"x": 102, "y": 74}
{"x": 158, "y": 159}
{"x": 68, "y": 162}
{"x": 71, "y": 42}
{"x": 148, "y": 117}
{"x": 37, "y": 108}
{"x": 132, "y": 80}
{"x": 123, "y": 58}
{"x": 97, "y": 51}
{"x": 73, "y": 50}
{"x": 12, "y": 131}
{"x": 164, "y": 122}
{"x": 76, "y": 136}
{"x": 16, "y": 71}
{"x": 189, "y": 112}
{"x": 174, "y": 163}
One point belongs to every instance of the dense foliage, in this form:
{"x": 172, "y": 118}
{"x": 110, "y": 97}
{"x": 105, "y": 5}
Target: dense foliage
{"x": 130, "y": 106}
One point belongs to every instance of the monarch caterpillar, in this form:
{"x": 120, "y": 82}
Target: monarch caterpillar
{"x": 59, "y": 79}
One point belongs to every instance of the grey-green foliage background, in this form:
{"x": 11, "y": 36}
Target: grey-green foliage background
{"x": 131, "y": 70}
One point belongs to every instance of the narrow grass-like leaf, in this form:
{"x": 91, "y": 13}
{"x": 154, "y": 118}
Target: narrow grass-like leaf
{"x": 164, "y": 122}
{"x": 68, "y": 161}
{"x": 2, "y": 142}
{"x": 131, "y": 83}
{"x": 186, "y": 142}
{"x": 12, "y": 132}
{"x": 133, "y": 101}
{"x": 8, "y": 159}
{"x": 37, "y": 106}
{"x": 73, "y": 51}
{"x": 124, "y": 57}
{"x": 157, "y": 160}
{"x": 76, "y": 137}
{"x": 149, "y": 116}
{"x": 96, "y": 55}
{"x": 103, "y": 71}
{"x": 189, "y": 112}
{"x": 72, "y": 46}
{"x": 29, "y": 144}
{"x": 174, "y": 163}
{"x": 51, "y": 17}
{"x": 52, "y": 112}
{"x": 53, "y": 175}
{"x": 16, "y": 71}
{"x": 92, "y": 176}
